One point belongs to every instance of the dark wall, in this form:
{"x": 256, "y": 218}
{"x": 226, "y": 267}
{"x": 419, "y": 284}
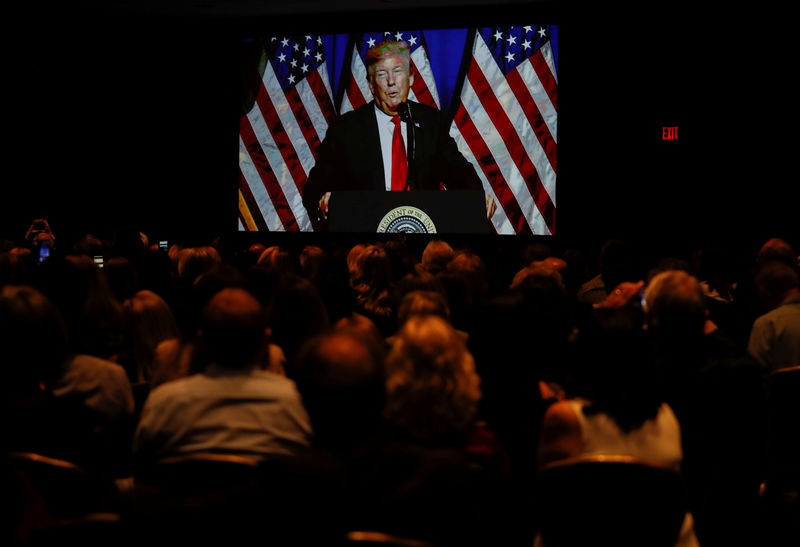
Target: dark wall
{"x": 120, "y": 118}
{"x": 125, "y": 119}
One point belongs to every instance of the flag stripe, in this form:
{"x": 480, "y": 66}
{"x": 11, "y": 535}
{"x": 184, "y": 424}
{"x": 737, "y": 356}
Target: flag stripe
{"x": 276, "y": 129}
{"x": 512, "y": 142}
{"x": 502, "y": 157}
{"x": 421, "y": 92}
{"x": 281, "y": 134}
{"x": 248, "y": 209}
{"x": 486, "y": 160}
{"x": 317, "y": 86}
{"x": 285, "y": 129}
{"x": 249, "y": 172}
{"x": 424, "y": 83}
{"x": 267, "y": 176}
{"x": 545, "y": 74}
{"x": 304, "y": 122}
{"x": 534, "y": 117}
{"x": 355, "y": 98}
{"x": 357, "y": 90}
{"x": 276, "y": 158}
{"x": 500, "y": 222}
{"x": 541, "y": 97}
{"x": 502, "y": 87}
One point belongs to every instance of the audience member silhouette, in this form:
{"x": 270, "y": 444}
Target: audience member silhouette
{"x": 417, "y": 445}
{"x": 373, "y": 288}
{"x": 775, "y": 336}
{"x": 277, "y": 259}
{"x": 121, "y": 277}
{"x": 436, "y": 256}
{"x": 149, "y": 322}
{"x": 76, "y": 408}
{"x": 718, "y": 394}
{"x": 232, "y": 407}
{"x": 296, "y": 314}
{"x": 620, "y": 408}
{"x": 446, "y": 480}
{"x": 616, "y": 264}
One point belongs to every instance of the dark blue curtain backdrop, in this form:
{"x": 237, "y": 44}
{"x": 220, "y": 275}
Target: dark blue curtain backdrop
{"x": 445, "y": 51}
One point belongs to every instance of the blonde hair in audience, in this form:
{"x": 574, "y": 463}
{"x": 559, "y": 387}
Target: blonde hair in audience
{"x": 432, "y": 386}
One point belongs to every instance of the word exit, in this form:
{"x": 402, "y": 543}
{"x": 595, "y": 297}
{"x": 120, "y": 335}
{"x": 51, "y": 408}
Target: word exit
{"x": 669, "y": 133}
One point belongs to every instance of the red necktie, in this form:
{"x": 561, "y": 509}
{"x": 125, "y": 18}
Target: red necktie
{"x": 399, "y": 162}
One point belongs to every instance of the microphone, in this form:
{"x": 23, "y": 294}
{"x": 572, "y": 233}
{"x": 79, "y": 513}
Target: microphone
{"x": 404, "y": 111}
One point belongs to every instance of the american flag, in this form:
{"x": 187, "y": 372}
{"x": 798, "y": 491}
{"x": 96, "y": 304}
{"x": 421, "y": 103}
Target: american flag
{"x": 279, "y": 137}
{"x": 356, "y": 90}
{"x": 505, "y": 124}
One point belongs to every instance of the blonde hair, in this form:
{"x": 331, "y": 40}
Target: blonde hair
{"x": 432, "y": 386}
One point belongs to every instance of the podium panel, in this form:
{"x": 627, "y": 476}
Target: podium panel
{"x": 440, "y": 212}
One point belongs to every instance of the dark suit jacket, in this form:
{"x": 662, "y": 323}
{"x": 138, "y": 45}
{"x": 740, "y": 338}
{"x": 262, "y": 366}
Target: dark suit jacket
{"x": 350, "y": 158}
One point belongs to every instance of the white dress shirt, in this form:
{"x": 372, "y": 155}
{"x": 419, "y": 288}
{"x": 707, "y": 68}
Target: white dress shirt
{"x": 386, "y": 131}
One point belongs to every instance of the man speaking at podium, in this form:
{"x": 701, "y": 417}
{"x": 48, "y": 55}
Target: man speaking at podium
{"x": 369, "y": 148}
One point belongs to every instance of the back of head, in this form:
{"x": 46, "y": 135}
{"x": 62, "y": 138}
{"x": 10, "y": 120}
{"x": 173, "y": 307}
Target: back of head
{"x": 33, "y": 339}
{"x": 353, "y": 259}
{"x": 374, "y": 269}
{"x": 121, "y": 277}
{"x": 232, "y": 328}
{"x": 775, "y": 280}
{"x": 341, "y": 379}
{"x": 364, "y": 328}
{"x": 194, "y": 261}
{"x": 422, "y": 303}
{"x": 89, "y": 245}
{"x": 93, "y": 315}
{"x": 539, "y": 276}
{"x": 296, "y": 313}
{"x": 615, "y": 370}
{"x": 217, "y": 277}
{"x": 617, "y": 263}
{"x": 536, "y": 252}
{"x": 14, "y": 268}
{"x": 469, "y": 266}
{"x": 675, "y": 304}
{"x": 150, "y": 322}
{"x": 436, "y": 256}
{"x": 432, "y": 387}
{"x": 776, "y": 249}
{"x": 276, "y": 259}
{"x": 312, "y": 261}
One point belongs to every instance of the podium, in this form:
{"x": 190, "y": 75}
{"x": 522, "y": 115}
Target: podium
{"x": 425, "y": 212}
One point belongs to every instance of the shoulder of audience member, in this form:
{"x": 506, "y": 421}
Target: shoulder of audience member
{"x": 89, "y": 367}
{"x": 104, "y": 384}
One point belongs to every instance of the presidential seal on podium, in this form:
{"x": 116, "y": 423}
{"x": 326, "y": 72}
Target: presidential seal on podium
{"x": 407, "y": 220}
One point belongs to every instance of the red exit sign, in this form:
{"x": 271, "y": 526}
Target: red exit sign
{"x": 669, "y": 133}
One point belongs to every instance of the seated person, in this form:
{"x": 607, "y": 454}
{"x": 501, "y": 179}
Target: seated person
{"x": 775, "y": 335}
{"x": 72, "y": 407}
{"x": 620, "y": 409}
{"x": 233, "y": 407}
